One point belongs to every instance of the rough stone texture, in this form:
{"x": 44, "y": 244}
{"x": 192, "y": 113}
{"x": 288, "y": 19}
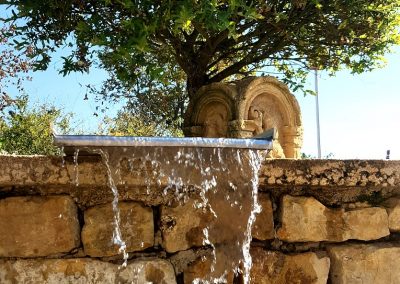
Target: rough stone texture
{"x": 182, "y": 226}
{"x": 367, "y": 264}
{"x": 85, "y": 271}
{"x": 86, "y": 183}
{"x": 200, "y": 269}
{"x": 365, "y": 224}
{"x": 305, "y": 219}
{"x": 393, "y": 210}
{"x": 331, "y": 181}
{"x": 246, "y": 108}
{"x": 263, "y": 227}
{"x": 38, "y": 226}
{"x": 137, "y": 229}
{"x": 270, "y": 267}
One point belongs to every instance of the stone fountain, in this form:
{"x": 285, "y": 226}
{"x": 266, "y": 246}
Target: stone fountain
{"x": 246, "y": 108}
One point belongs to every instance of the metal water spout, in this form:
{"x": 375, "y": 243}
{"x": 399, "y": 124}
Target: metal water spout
{"x": 260, "y": 142}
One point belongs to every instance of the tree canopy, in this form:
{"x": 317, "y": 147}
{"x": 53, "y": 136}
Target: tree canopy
{"x": 209, "y": 40}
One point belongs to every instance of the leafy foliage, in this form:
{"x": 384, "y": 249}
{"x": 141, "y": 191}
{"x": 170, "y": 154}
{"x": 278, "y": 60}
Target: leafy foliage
{"x": 156, "y": 100}
{"x": 27, "y": 131}
{"x": 209, "y": 40}
{"x": 14, "y": 66}
{"x": 128, "y": 124}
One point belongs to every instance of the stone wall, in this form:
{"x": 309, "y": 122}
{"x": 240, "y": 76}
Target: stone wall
{"x": 321, "y": 221}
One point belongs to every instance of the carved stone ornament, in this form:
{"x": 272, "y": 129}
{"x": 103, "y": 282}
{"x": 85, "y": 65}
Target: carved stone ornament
{"x": 246, "y": 108}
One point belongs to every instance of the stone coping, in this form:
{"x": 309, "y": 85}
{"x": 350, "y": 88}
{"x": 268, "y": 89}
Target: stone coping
{"x": 324, "y": 179}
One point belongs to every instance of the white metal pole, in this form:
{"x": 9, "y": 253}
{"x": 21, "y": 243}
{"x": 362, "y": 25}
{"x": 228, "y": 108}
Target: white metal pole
{"x": 317, "y": 113}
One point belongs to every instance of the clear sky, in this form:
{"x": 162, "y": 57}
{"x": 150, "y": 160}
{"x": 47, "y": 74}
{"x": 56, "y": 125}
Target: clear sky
{"x": 359, "y": 114}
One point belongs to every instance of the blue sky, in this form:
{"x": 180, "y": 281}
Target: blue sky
{"x": 359, "y": 114}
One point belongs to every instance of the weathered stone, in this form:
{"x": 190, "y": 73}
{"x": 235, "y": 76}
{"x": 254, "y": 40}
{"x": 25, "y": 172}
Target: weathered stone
{"x": 182, "y": 259}
{"x": 331, "y": 182}
{"x": 263, "y": 227}
{"x": 393, "y": 210}
{"x": 246, "y": 108}
{"x": 85, "y": 271}
{"x": 350, "y": 175}
{"x": 365, "y": 224}
{"x": 304, "y": 219}
{"x": 367, "y": 264}
{"x": 182, "y": 226}
{"x": 38, "y": 226}
{"x": 136, "y": 224}
{"x": 270, "y": 267}
{"x": 200, "y": 270}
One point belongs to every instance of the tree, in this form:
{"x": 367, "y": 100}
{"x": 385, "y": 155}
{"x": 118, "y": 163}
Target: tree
{"x": 27, "y": 131}
{"x": 209, "y": 40}
{"x": 14, "y": 66}
{"x": 151, "y": 99}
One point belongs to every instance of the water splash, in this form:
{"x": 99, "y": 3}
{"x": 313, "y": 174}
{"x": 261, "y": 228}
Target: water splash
{"x": 255, "y": 161}
{"x": 223, "y": 182}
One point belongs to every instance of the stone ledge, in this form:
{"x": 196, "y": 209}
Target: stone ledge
{"x": 52, "y": 171}
{"x": 330, "y": 173}
{"x": 330, "y": 181}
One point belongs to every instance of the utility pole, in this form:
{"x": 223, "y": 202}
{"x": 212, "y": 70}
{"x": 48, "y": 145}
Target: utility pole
{"x": 317, "y": 111}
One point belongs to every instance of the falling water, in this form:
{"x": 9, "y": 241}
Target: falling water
{"x": 223, "y": 183}
{"x": 76, "y": 173}
{"x": 112, "y": 174}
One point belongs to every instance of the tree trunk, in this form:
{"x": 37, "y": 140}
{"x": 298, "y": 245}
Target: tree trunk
{"x": 194, "y": 83}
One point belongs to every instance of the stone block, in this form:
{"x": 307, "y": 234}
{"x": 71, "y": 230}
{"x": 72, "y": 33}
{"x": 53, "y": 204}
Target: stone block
{"x": 263, "y": 227}
{"x": 83, "y": 270}
{"x": 182, "y": 226}
{"x": 367, "y": 264}
{"x": 38, "y": 226}
{"x": 271, "y": 267}
{"x": 305, "y": 219}
{"x": 136, "y": 224}
{"x": 393, "y": 210}
{"x": 365, "y": 224}
{"x": 200, "y": 270}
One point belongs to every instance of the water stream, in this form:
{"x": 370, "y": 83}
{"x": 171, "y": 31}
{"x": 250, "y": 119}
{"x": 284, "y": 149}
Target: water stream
{"x": 222, "y": 181}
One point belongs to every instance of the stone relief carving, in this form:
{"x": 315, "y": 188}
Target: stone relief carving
{"x": 210, "y": 111}
{"x": 215, "y": 120}
{"x": 246, "y": 108}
